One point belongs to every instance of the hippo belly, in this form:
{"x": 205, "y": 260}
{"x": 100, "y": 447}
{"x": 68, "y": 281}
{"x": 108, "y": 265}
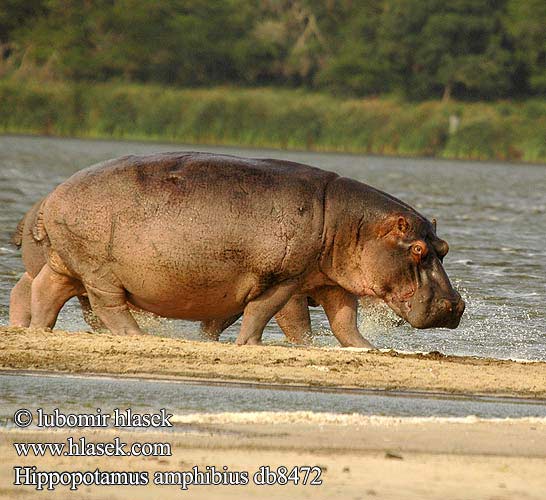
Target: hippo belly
{"x": 202, "y": 306}
{"x": 211, "y": 276}
{"x": 216, "y": 299}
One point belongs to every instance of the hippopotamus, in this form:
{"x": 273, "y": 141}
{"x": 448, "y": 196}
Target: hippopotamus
{"x": 209, "y": 237}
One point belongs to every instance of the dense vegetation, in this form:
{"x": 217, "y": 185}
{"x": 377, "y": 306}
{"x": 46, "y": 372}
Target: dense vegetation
{"x": 421, "y": 49}
{"x": 457, "y": 78}
{"x": 267, "y": 117}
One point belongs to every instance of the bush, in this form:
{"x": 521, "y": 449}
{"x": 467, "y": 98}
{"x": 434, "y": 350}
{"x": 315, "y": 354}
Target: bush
{"x": 265, "y": 117}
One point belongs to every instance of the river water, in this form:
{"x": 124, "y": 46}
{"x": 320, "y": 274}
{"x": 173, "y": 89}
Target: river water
{"x": 26, "y": 390}
{"x": 493, "y": 215}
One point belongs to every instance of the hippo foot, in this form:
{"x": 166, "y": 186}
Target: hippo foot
{"x": 250, "y": 341}
{"x": 211, "y": 336}
{"x": 305, "y": 338}
{"x": 361, "y": 344}
{"x": 127, "y": 333}
{"x": 134, "y": 333}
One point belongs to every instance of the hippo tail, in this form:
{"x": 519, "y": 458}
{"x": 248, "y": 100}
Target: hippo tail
{"x": 17, "y": 236}
{"x": 33, "y": 219}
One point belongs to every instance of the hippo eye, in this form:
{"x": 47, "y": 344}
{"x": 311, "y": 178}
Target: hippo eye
{"x": 419, "y": 249}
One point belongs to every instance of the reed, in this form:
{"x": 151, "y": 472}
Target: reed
{"x": 265, "y": 117}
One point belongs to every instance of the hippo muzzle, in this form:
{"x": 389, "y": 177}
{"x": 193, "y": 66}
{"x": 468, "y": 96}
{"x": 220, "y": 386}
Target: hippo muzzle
{"x": 443, "y": 312}
{"x": 434, "y": 303}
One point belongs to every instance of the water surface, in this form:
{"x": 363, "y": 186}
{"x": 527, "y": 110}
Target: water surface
{"x": 184, "y": 398}
{"x": 493, "y": 216}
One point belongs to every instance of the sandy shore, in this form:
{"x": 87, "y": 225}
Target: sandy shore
{"x": 381, "y": 458}
{"x": 359, "y": 456}
{"x": 166, "y": 357}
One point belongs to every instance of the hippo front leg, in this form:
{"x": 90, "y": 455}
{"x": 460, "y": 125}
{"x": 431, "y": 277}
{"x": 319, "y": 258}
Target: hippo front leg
{"x": 259, "y": 311}
{"x": 341, "y": 309}
{"x": 294, "y": 320}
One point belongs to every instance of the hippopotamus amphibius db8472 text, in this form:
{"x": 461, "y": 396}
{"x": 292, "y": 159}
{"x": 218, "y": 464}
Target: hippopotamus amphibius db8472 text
{"x": 207, "y": 237}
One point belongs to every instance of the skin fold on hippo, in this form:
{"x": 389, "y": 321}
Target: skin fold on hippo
{"x": 207, "y": 237}
{"x": 293, "y": 319}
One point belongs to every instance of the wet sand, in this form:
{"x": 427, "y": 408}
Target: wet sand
{"x": 151, "y": 356}
{"x": 385, "y": 458}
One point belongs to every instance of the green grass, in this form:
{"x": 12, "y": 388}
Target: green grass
{"x": 265, "y": 117}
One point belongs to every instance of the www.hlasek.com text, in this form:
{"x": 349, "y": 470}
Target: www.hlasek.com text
{"x": 82, "y": 447}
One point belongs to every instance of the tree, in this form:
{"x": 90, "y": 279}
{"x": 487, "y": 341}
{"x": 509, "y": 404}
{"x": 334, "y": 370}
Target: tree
{"x": 458, "y": 46}
{"x": 286, "y": 43}
{"x": 170, "y": 41}
{"x": 526, "y": 22}
{"x": 423, "y": 48}
{"x": 15, "y": 13}
{"x": 356, "y": 63}
{"x": 67, "y": 36}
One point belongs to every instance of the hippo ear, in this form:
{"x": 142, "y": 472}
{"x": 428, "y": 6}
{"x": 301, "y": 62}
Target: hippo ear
{"x": 434, "y": 224}
{"x": 402, "y": 224}
{"x": 396, "y": 225}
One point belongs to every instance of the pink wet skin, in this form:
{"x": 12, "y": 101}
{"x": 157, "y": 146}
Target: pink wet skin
{"x": 210, "y": 237}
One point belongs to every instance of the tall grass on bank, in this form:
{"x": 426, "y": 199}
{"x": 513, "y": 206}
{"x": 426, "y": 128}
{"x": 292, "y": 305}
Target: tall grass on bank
{"x": 265, "y": 117}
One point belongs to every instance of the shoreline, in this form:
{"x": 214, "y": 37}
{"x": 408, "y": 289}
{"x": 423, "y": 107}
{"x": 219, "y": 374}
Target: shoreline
{"x": 153, "y": 357}
{"x": 358, "y": 455}
{"x": 237, "y": 147}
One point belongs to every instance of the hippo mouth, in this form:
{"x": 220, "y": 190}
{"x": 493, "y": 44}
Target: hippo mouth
{"x": 400, "y": 304}
{"x": 401, "y": 307}
{"x": 440, "y": 313}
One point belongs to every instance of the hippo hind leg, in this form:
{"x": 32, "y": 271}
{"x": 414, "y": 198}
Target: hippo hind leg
{"x": 49, "y": 292}
{"x": 88, "y": 315}
{"x": 294, "y": 320}
{"x": 109, "y": 303}
{"x": 19, "y": 302}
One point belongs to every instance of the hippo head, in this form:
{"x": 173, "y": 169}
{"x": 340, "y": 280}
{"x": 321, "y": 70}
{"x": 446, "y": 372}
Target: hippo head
{"x": 376, "y": 245}
{"x": 396, "y": 258}
{"x": 403, "y": 266}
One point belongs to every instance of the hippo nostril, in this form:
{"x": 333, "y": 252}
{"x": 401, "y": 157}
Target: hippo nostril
{"x": 460, "y": 307}
{"x": 447, "y": 305}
